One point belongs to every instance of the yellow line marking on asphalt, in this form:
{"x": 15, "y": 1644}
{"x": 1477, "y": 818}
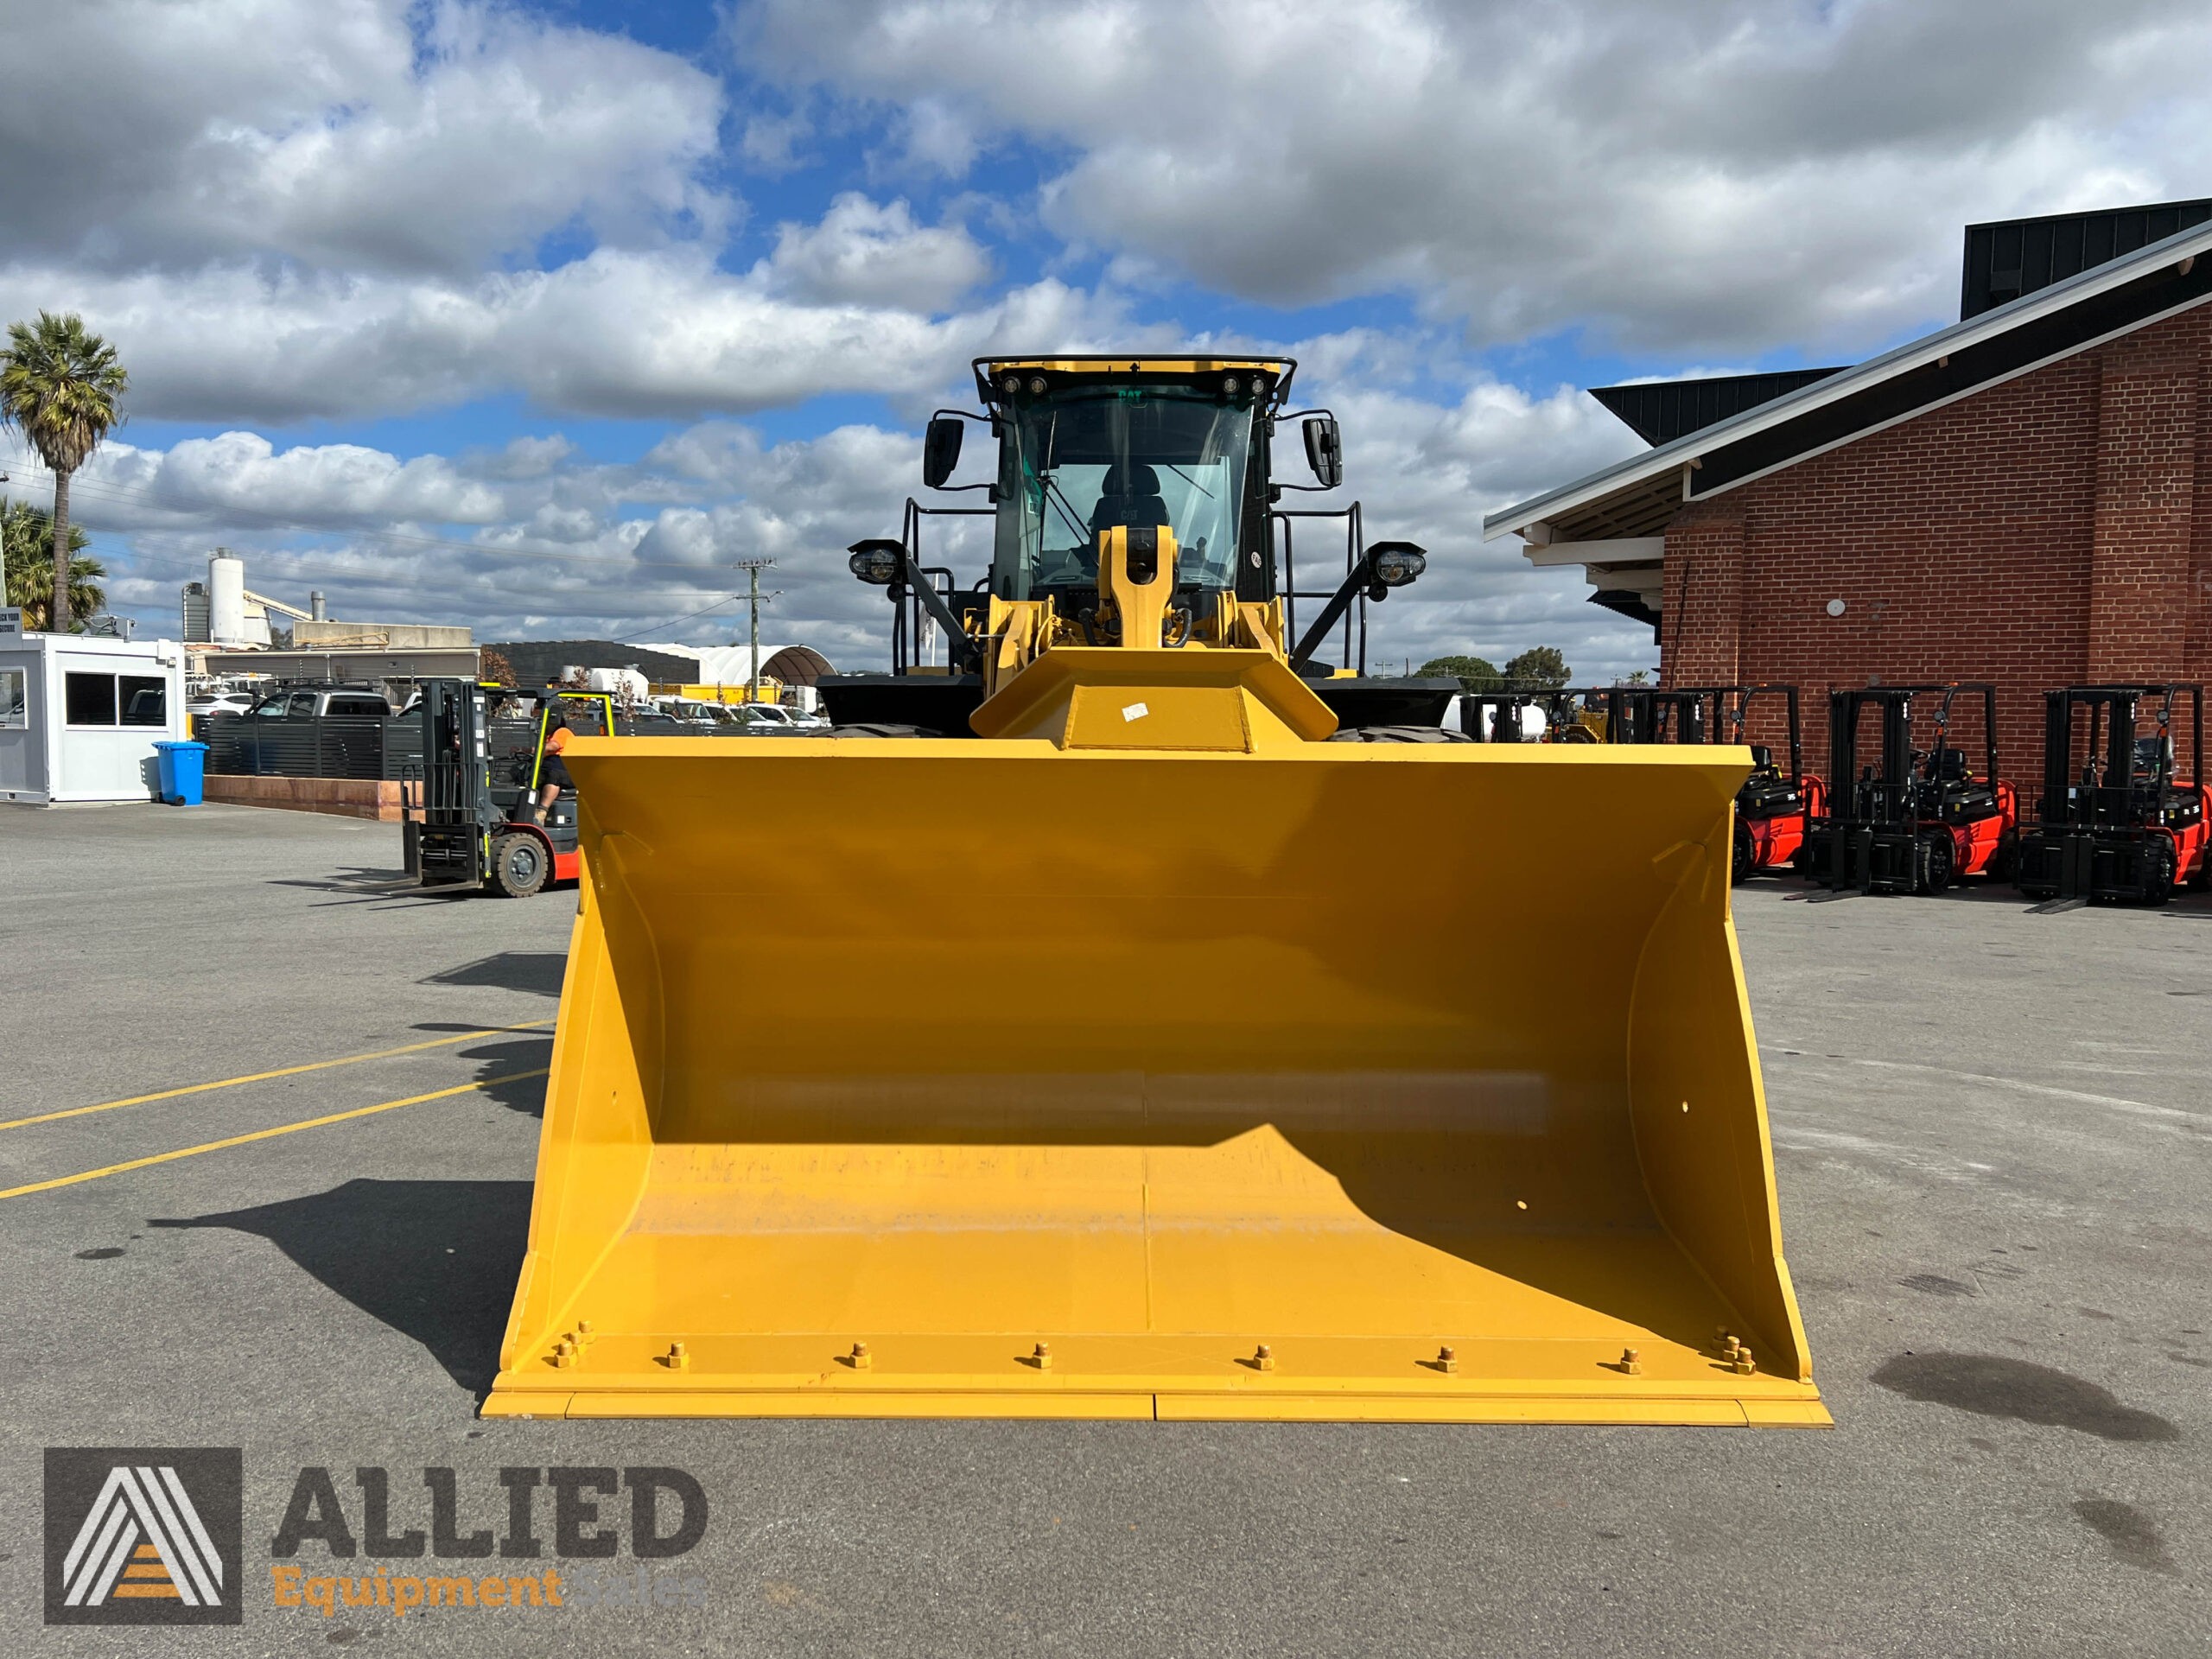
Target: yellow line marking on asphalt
{"x": 283, "y": 1071}
{"x": 266, "y": 1134}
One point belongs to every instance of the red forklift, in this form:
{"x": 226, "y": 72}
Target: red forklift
{"x": 1775, "y": 809}
{"x": 2122, "y": 828}
{"x": 1913, "y": 820}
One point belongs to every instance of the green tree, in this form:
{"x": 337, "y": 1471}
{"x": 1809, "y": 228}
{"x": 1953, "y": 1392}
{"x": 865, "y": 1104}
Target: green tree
{"x": 59, "y": 384}
{"x": 27, "y": 555}
{"x": 1540, "y": 668}
{"x": 1471, "y": 672}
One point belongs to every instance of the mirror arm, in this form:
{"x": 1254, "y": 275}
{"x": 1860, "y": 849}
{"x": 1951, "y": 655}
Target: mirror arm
{"x": 1333, "y": 613}
{"x": 957, "y": 642}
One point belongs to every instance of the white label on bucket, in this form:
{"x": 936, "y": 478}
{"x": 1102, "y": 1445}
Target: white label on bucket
{"x": 1135, "y": 711}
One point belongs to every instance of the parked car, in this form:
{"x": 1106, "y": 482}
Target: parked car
{"x": 219, "y": 703}
{"x": 304, "y": 702}
{"x": 314, "y": 731}
{"x": 773, "y": 716}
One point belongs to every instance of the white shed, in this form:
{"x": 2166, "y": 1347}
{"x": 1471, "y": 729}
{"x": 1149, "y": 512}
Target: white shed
{"x": 79, "y": 715}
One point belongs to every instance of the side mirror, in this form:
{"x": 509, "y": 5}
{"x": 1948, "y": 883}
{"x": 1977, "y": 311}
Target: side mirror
{"x": 940, "y": 450}
{"x": 1325, "y": 450}
{"x": 879, "y": 563}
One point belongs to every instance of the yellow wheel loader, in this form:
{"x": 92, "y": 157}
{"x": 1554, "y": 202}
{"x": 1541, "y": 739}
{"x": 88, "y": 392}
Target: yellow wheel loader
{"x": 1190, "y": 1032}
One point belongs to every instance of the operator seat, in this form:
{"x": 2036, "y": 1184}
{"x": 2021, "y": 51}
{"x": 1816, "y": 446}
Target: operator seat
{"x": 1130, "y": 495}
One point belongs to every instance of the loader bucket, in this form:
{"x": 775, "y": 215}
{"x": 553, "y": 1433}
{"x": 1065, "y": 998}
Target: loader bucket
{"x": 1385, "y": 1081}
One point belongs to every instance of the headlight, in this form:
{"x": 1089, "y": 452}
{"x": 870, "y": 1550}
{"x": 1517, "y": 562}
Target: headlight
{"x": 1037, "y": 385}
{"x": 1230, "y": 384}
{"x": 878, "y": 562}
{"x": 1396, "y": 563}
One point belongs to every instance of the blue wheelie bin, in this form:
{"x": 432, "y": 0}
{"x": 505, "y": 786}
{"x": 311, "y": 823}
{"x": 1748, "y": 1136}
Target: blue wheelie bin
{"x": 181, "y": 767}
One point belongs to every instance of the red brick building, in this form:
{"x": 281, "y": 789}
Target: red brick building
{"x": 2025, "y": 498}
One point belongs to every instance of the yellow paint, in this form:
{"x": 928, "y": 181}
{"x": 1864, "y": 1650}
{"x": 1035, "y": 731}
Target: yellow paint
{"x": 261, "y": 1134}
{"x": 1156, "y": 1055}
{"x": 281, "y": 1071}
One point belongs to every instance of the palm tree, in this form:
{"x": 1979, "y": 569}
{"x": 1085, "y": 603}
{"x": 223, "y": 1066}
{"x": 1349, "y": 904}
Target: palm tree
{"x": 26, "y": 556}
{"x": 59, "y": 385}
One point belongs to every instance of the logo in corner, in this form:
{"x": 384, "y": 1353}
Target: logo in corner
{"x": 144, "y": 1535}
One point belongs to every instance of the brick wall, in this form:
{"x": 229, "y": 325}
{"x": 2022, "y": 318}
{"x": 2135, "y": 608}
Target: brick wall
{"x": 2043, "y": 531}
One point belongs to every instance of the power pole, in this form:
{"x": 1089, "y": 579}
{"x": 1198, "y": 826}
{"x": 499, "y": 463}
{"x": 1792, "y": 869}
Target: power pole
{"x": 752, "y": 568}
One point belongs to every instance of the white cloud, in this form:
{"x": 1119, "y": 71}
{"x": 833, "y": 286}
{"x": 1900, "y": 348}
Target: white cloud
{"x": 355, "y": 135}
{"x": 864, "y": 253}
{"x": 1731, "y": 173}
{"x": 663, "y": 333}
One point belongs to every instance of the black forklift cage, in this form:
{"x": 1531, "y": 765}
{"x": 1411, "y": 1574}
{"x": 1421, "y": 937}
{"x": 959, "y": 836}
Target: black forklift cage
{"x": 1558, "y": 706}
{"x": 1656, "y": 714}
{"x": 1735, "y": 710}
{"x": 2091, "y": 799}
{"x": 1889, "y": 796}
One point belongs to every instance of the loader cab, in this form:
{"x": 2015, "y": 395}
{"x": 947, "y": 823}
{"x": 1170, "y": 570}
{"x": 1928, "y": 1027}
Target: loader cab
{"x": 1107, "y": 471}
{"x": 1077, "y": 459}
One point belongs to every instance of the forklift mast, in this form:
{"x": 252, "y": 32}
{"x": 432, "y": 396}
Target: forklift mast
{"x": 2118, "y": 783}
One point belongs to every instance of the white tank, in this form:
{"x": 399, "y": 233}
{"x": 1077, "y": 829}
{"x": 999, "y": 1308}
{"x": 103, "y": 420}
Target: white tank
{"x": 226, "y": 600}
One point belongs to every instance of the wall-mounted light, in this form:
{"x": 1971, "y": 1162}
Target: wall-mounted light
{"x": 1835, "y": 607}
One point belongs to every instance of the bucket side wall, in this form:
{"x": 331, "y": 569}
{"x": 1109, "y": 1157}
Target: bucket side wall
{"x": 595, "y": 1148}
{"x": 1700, "y": 1108}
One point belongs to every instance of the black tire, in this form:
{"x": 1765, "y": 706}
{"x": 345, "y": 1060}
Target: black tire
{"x": 520, "y": 866}
{"x": 880, "y": 730}
{"x": 1938, "y": 862}
{"x": 1399, "y": 734}
{"x": 2158, "y": 871}
{"x": 1745, "y": 855}
{"x": 2005, "y": 867}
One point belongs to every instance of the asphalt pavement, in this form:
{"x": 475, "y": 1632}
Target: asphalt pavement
{"x": 1991, "y": 1133}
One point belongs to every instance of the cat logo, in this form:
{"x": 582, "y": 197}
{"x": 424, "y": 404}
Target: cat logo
{"x": 144, "y": 1536}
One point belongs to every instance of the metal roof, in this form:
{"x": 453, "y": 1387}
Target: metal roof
{"x": 1637, "y": 497}
{"x": 1659, "y": 411}
{"x": 2008, "y": 257}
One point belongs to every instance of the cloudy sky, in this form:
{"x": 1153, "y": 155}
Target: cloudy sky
{"x": 538, "y": 317}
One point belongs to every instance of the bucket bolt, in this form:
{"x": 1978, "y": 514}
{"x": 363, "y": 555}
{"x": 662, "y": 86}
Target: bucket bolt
{"x": 859, "y": 1358}
{"x": 1042, "y": 1358}
{"x": 678, "y": 1358}
{"x": 564, "y": 1353}
{"x": 1741, "y": 1362}
{"x": 1447, "y": 1358}
{"x": 1631, "y": 1363}
{"x": 1263, "y": 1358}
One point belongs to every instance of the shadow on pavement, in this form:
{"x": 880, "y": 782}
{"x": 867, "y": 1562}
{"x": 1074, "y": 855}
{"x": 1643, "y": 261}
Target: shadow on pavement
{"x": 437, "y": 1260}
{"x": 534, "y": 971}
{"x": 501, "y": 1070}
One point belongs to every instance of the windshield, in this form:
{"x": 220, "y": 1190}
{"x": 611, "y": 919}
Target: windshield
{"x": 1077, "y": 463}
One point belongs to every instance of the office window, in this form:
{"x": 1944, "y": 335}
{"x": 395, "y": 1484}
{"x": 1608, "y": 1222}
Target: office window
{"x": 14, "y": 699}
{"x": 88, "y": 699}
{"x": 145, "y": 700}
